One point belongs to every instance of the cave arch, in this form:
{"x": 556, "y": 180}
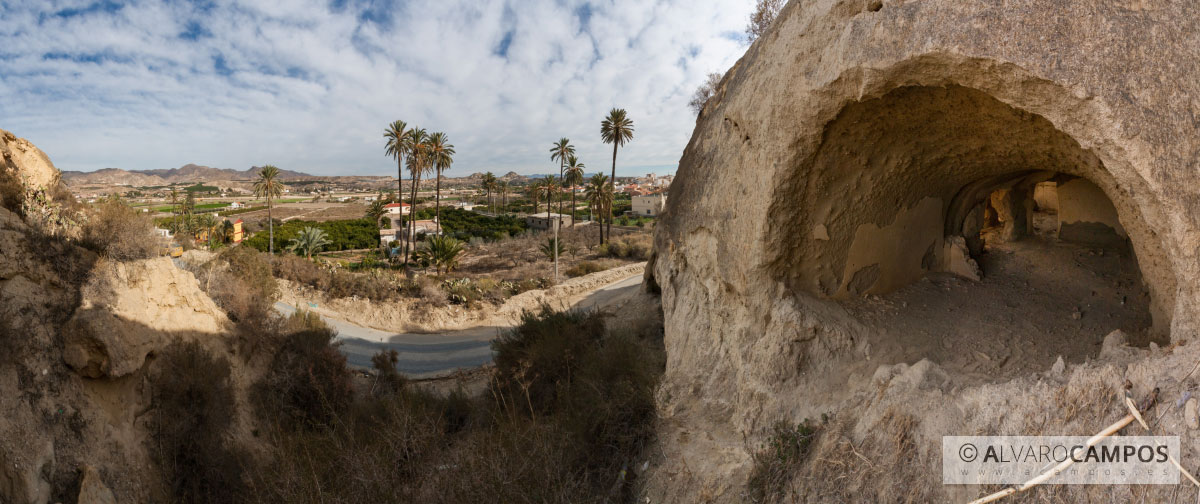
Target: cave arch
{"x": 896, "y": 175}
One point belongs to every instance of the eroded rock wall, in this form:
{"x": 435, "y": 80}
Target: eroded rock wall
{"x": 848, "y": 115}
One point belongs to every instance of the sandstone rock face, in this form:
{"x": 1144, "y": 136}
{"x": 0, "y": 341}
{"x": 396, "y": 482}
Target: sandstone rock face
{"x": 21, "y": 159}
{"x": 132, "y": 309}
{"x": 855, "y": 138}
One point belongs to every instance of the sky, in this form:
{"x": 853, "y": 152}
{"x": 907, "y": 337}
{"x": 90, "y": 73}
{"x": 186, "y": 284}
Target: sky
{"x": 311, "y": 85}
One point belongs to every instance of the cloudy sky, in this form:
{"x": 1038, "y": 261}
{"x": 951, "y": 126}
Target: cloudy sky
{"x": 310, "y": 85}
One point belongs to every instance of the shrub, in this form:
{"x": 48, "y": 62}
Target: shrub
{"x": 195, "y": 409}
{"x": 586, "y": 268}
{"x": 387, "y": 377}
{"x": 118, "y": 232}
{"x": 296, "y": 269}
{"x": 308, "y": 382}
{"x": 636, "y": 247}
{"x": 776, "y": 460}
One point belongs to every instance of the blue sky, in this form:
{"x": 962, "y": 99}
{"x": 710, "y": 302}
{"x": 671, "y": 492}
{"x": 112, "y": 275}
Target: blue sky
{"x": 310, "y": 85}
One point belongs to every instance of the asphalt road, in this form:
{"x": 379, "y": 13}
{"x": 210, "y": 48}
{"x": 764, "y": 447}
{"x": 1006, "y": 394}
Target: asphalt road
{"x": 424, "y": 355}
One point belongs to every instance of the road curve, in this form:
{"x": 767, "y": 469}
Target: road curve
{"x": 424, "y": 355}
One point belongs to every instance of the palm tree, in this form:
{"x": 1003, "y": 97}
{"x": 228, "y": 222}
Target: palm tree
{"x": 207, "y": 224}
{"x": 442, "y": 253}
{"x": 549, "y": 187}
{"x": 268, "y": 187}
{"x": 396, "y": 137}
{"x": 572, "y": 178}
{"x": 559, "y": 152}
{"x": 226, "y": 231}
{"x": 441, "y": 155}
{"x": 309, "y": 241}
{"x": 489, "y": 183}
{"x": 504, "y": 192}
{"x": 375, "y": 212}
{"x": 174, "y": 209}
{"x": 418, "y": 164}
{"x": 615, "y": 129}
{"x": 534, "y": 190}
{"x": 598, "y": 194}
{"x": 554, "y": 248}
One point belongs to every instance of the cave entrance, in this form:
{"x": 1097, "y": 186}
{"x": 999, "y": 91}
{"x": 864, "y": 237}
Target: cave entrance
{"x": 1048, "y": 272}
{"x": 958, "y": 228}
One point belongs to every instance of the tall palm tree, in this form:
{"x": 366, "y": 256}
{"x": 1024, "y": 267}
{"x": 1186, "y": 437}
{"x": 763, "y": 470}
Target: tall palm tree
{"x": 615, "y": 129}
{"x": 488, "y": 183}
{"x": 174, "y": 208}
{"x": 504, "y": 193}
{"x": 267, "y": 186}
{"x": 441, "y": 155}
{"x": 572, "y": 178}
{"x": 534, "y": 190}
{"x": 396, "y": 137}
{"x": 598, "y": 193}
{"x": 418, "y": 164}
{"x": 549, "y": 187}
{"x": 559, "y": 152}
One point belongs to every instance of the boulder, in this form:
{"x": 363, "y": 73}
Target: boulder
{"x": 24, "y": 161}
{"x": 92, "y": 489}
{"x": 130, "y": 310}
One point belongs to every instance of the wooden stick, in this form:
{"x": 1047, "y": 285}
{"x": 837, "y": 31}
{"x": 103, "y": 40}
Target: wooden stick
{"x": 1134, "y": 412}
{"x": 1092, "y": 441}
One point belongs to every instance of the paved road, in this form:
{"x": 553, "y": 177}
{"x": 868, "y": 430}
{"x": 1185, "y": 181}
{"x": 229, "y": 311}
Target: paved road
{"x": 424, "y": 355}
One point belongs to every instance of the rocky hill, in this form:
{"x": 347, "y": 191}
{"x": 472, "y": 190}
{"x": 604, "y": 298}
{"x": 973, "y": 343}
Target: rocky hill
{"x": 79, "y": 334}
{"x": 188, "y": 173}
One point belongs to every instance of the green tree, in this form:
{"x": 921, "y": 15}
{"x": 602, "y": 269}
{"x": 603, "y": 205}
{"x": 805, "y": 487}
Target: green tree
{"x": 375, "y": 212}
{"x": 268, "y": 186}
{"x": 418, "y": 164}
{"x": 561, "y": 150}
{"x": 309, "y": 241}
{"x": 504, "y": 193}
{"x": 548, "y": 187}
{"x": 616, "y": 129}
{"x": 554, "y": 248}
{"x": 441, "y": 156}
{"x": 175, "y": 208}
{"x": 573, "y": 177}
{"x": 488, "y": 183}
{"x": 396, "y": 144}
{"x": 599, "y": 196}
{"x": 441, "y": 252}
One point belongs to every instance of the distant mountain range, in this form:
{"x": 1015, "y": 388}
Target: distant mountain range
{"x": 184, "y": 174}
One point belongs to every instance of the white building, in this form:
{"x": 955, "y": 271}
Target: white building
{"x": 540, "y": 222}
{"x": 649, "y": 205}
{"x": 397, "y": 208}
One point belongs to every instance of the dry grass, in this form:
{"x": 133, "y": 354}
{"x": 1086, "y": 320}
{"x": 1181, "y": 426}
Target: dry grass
{"x": 118, "y": 232}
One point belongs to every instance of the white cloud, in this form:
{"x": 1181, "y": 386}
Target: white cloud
{"x": 310, "y": 85}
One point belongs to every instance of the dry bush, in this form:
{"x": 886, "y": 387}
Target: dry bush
{"x": 297, "y": 269}
{"x": 588, "y": 267}
{"x": 775, "y": 462}
{"x": 307, "y": 383}
{"x": 632, "y": 246}
{"x": 569, "y": 408}
{"x": 194, "y": 410}
{"x": 118, "y": 232}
